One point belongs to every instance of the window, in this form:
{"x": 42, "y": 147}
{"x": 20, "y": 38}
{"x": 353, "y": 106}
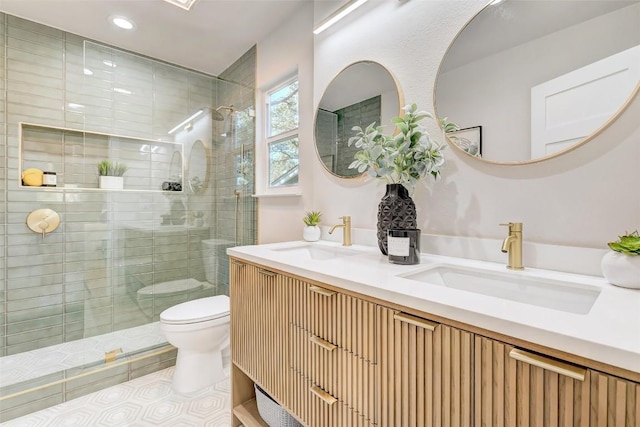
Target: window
{"x": 281, "y": 135}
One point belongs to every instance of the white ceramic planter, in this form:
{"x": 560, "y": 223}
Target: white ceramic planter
{"x": 111, "y": 182}
{"x": 621, "y": 270}
{"x": 311, "y": 233}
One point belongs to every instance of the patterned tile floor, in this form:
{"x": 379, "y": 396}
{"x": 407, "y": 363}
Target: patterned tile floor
{"x": 144, "y": 402}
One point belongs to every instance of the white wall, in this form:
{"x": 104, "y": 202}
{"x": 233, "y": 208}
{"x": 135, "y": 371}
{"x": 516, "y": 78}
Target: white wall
{"x": 584, "y": 198}
{"x": 284, "y": 51}
{"x": 502, "y": 104}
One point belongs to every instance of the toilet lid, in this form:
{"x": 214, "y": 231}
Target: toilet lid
{"x": 172, "y": 287}
{"x": 198, "y": 310}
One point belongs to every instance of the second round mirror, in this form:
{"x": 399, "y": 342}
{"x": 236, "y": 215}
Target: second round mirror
{"x": 362, "y": 93}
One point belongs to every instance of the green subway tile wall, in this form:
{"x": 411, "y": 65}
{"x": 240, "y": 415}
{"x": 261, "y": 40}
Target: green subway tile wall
{"x": 82, "y": 280}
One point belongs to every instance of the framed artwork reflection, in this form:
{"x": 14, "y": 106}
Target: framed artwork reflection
{"x": 468, "y": 139}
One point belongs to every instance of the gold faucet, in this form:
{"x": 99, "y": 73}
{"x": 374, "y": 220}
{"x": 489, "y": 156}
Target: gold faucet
{"x": 513, "y": 245}
{"x": 346, "y": 233}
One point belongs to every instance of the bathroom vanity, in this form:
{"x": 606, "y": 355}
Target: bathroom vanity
{"x": 340, "y": 337}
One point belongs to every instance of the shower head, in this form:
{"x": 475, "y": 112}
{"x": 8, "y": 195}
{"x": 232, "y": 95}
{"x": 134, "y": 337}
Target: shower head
{"x": 217, "y": 115}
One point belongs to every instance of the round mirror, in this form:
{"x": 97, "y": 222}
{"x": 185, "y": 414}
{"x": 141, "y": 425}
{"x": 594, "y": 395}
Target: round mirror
{"x": 175, "y": 167}
{"x": 362, "y": 93}
{"x": 198, "y": 167}
{"x": 528, "y": 80}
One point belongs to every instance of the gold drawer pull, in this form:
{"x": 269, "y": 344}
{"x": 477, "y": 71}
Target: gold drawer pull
{"x": 417, "y": 321}
{"x": 556, "y": 366}
{"x": 237, "y": 263}
{"x": 322, "y": 343}
{"x": 322, "y": 291}
{"x": 326, "y": 397}
{"x": 266, "y": 273}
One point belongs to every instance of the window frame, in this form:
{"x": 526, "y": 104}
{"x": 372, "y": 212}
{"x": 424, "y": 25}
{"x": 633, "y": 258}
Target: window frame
{"x": 263, "y": 178}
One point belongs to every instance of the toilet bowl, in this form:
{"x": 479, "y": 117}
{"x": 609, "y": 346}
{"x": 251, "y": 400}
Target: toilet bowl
{"x": 199, "y": 329}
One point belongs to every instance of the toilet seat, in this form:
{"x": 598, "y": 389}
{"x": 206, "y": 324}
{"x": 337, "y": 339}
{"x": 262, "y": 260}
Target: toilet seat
{"x": 172, "y": 287}
{"x": 196, "y": 311}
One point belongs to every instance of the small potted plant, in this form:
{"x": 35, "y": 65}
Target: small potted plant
{"x": 311, "y": 232}
{"x": 621, "y": 265}
{"x": 111, "y": 175}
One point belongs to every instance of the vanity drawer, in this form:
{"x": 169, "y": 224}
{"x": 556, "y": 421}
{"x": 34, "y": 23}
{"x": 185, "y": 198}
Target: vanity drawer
{"x": 315, "y": 407}
{"x": 347, "y": 378}
{"x": 343, "y": 320}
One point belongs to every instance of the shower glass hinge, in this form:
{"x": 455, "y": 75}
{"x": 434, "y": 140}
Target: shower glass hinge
{"x": 112, "y": 355}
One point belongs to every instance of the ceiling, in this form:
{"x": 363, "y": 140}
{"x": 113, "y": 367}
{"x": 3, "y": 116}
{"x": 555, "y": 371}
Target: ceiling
{"x": 208, "y": 38}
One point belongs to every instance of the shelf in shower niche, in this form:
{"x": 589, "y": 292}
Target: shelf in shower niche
{"x": 74, "y": 155}
{"x": 277, "y": 195}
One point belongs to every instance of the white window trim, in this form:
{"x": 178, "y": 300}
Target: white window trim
{"x": 262, "y": 145}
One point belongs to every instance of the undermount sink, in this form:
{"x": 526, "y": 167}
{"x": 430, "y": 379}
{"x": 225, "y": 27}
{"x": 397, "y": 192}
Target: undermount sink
{"x": 514, "y": 286}
{"x": 317, "y": 252}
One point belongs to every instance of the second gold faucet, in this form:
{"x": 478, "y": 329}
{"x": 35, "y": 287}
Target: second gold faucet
{"x": 346, "y": 225}
{"x": 513, "y": 245}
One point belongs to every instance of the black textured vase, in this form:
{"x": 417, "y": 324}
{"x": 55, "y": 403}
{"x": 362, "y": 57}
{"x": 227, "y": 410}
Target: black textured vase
{"x": 396, "y": 210}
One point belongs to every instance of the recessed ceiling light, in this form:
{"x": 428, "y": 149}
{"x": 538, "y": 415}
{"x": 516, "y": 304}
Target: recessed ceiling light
{"x": 184, "y": 4}
{"x": 122, "y": 22}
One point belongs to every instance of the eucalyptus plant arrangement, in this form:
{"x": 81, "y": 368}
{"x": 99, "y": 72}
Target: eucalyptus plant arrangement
{"x": 108, "y": 168}
{"x": 629, "y": 244}
{"x": 405, "y": 158}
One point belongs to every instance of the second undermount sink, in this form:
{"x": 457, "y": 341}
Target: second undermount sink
{"x": 555, "y": 294}
{"x": 317, "y": 252}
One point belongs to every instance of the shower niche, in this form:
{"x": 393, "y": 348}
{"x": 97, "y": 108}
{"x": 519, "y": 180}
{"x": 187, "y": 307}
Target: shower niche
{"x": 73, "y": 155}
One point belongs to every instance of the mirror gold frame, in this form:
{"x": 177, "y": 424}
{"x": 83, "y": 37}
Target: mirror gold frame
{"x": 632, "y": 96}
{"x": 207, "y": 157}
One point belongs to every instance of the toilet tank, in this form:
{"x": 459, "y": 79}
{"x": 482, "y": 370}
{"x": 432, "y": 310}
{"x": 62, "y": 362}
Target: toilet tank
{"x": 214, "y": 257}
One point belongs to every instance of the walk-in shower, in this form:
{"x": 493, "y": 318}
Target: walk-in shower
{"x": 89, "y": 294}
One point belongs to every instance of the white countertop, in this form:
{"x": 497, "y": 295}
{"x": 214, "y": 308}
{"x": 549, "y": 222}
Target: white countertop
{"x": 608, "y": 333}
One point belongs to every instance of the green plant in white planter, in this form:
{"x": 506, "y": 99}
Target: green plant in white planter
{"x": 111, "y": 174}
{"x": 311, "y": 232}
{"x": 621, "y": 265}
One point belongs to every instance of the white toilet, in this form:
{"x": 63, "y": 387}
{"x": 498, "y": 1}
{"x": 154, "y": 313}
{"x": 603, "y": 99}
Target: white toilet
{"x": 200, "y": 331}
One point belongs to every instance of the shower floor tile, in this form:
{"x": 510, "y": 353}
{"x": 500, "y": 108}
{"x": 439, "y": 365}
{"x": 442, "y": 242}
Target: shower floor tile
{"x": 144, "y": 402}
{"x": 58, "y": 358}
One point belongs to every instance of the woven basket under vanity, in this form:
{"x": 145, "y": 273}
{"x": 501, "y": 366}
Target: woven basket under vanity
{"x": 271, "y": 412}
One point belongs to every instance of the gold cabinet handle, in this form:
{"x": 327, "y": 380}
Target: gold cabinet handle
{"x": 322, "y": 291}
{"x": 556, "y": 366}
{"x": 237, "y": 263}
{"x": 326, "y": 397}
{"x": 322, "y": 343}
{"x": 266, "y": 273}
{"x": 416, "y": 321}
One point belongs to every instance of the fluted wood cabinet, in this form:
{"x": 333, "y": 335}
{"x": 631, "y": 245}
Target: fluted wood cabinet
{"x": 334, "y": 359}
{"x": 260, "y": 319}
{"x": 333, "y": 355}
{"x": 518, "y": 388}
{"x": 425, "y": 372}
{"x": 614, "y": 401}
